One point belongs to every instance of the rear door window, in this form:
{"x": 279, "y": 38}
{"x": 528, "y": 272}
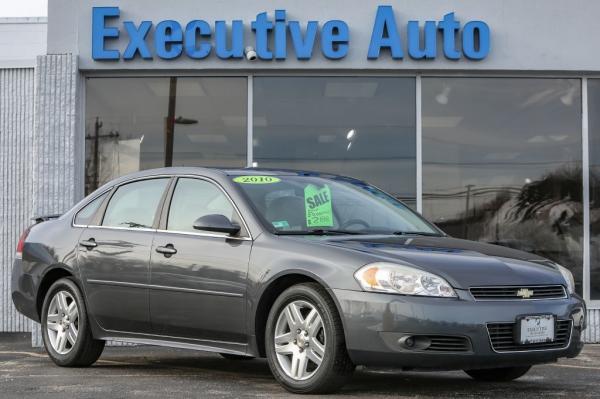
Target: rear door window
{"x": 134, "y": 204}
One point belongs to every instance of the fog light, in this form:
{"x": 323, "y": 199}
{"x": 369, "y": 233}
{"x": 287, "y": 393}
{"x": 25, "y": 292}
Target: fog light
{"x": 407, "y": 342}
{"x": 417, "y": 342}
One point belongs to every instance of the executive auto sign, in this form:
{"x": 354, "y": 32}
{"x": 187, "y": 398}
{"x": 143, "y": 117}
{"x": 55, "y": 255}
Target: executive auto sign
{"x": 197, "y": 39}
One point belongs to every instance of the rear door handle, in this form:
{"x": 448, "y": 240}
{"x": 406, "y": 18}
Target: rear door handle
{"x": 89, "y": 244}
{"x": 167, "y": 250}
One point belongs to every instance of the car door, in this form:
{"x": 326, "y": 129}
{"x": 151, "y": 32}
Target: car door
{"x": 198, "y": 285}
{"x": 114, "y": 256}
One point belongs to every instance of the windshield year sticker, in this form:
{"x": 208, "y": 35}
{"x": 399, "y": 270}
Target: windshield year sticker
{"x": 256, "y": 179}
{"x": 317, "y": 201}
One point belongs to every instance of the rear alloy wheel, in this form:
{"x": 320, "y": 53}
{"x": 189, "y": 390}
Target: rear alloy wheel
{"x": 498, "y": 375}
{"x": 305, "y": 341}
{"x": 65, "y": 327}
{"x": 62, "y": 322}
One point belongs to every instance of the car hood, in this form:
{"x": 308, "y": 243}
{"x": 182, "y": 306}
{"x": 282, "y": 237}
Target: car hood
{"x": 462, "y": 263}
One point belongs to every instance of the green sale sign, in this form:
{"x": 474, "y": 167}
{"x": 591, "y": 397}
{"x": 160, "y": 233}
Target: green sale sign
{"x": 317, "y": 202}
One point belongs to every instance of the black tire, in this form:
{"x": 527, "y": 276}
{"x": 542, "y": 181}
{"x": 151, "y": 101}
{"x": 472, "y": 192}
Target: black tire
{"x": 336, "y": 367}
{"x": 498, "y": 375}
{"x": 230, "y": 356}
{"x": 86, "y": 349}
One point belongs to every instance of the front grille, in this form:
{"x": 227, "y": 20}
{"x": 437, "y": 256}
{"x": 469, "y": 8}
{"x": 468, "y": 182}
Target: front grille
{"x": 502, "y": 337}
{"x": 519, "y": 292}
{"x": 448, "y": 344}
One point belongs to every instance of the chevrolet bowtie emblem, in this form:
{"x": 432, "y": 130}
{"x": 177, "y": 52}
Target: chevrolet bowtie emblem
{"x": 525, "y": 293}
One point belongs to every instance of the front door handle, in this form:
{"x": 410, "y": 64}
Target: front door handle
{"x": 89, "y": 244}
{"x": 167, "y": 250}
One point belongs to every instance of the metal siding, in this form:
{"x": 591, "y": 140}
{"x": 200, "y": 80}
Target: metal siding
{"x": 16, "y": 138}
{"x": 592, "y": 333}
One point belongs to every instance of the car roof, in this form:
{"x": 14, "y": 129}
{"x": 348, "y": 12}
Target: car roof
{"x": 221, "y": 172}
{"x": 277, "y": 172}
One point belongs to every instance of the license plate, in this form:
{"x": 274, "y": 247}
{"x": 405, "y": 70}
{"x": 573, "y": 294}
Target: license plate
{"x": 536, "y": 329}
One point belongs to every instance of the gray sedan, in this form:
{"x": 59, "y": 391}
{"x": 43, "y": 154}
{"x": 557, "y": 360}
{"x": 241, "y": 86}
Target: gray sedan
{"x": 316, "y": 272}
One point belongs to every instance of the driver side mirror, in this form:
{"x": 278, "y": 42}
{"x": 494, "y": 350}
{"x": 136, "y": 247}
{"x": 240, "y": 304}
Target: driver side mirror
{"x": 216, "y": 223}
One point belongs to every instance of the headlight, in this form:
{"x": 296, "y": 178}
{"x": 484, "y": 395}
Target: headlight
{"x": 568, "y": 276}
{"x": 400, "y": 279}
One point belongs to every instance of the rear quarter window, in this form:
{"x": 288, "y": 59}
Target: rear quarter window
{"x": 86, "y": 214}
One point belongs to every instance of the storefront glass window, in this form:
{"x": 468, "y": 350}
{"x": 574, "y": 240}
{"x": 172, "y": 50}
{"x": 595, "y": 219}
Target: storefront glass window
{"x": 502, "y": 163}
{"x": 357, "y": 126}
{"x": 141, "y": 123}
{"x": 594, "y": 146}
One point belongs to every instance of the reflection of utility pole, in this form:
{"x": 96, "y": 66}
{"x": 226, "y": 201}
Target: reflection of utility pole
{"x": 465, "y": 219}
{"x": 96, "y": 151}
{"x": 97, "y": 127}
{"x": 170, "y": 123}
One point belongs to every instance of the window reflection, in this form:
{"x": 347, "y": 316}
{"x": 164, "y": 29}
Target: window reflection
{"x": 502, "y": 163}
{"x": 134, "y": 205}
{"x": 141, "y": 123}
{"x": 358, "y": 126}
{"x": 594, "y": 148}
{"x": 193, "y": 199}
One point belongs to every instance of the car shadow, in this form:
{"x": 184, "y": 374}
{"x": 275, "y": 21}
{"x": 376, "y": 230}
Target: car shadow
{"x": 364, "y": 381}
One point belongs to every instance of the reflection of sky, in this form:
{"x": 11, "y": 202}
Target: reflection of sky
{"x": 136, "y": 107}
{"x": 476, "y": 131}
{"x": 594, "y": 121}
{"x": 358, "y": 126}
{"x": 594, "y": 139}
{"x": 492, "y": 133}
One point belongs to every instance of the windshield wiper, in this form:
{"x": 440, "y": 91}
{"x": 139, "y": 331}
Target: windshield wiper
{"x": 316, "y": 232}
{"x": 416, "y": 233}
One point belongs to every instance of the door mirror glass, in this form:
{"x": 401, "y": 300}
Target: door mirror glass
{"x": 216, "y": 223}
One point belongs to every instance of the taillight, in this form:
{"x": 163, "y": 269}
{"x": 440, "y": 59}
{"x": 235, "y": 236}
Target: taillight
{"x": 21, "y": 242}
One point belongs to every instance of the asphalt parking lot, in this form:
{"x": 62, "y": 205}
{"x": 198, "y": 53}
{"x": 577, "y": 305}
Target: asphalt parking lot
{"x": 151, "y": 372}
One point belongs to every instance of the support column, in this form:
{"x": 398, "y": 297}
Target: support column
{"x": 58, "y": 150}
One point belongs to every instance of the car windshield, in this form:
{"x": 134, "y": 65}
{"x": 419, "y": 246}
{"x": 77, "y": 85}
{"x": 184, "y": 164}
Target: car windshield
{"x": 317, "y": 205}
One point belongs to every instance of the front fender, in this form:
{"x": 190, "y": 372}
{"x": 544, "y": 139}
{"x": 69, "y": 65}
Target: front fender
{"x": 276, "y": 257}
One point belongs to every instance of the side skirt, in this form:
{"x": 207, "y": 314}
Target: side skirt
{"x": 232, "y": 348}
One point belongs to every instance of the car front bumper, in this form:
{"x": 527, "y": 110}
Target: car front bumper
{"x": 375, "y": 324}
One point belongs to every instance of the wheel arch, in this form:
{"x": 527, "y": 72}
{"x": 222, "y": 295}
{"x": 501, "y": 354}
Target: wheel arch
{"x": 52, "y": 275}
{"x": 272, "y": 290}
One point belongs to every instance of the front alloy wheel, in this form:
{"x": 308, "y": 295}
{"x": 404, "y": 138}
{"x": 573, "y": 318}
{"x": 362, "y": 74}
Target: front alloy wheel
{"x": 304, "y": 341}
{"x": 299, "y": 340}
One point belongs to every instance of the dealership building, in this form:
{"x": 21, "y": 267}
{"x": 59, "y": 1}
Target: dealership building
{"x": 483, "y": 116}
